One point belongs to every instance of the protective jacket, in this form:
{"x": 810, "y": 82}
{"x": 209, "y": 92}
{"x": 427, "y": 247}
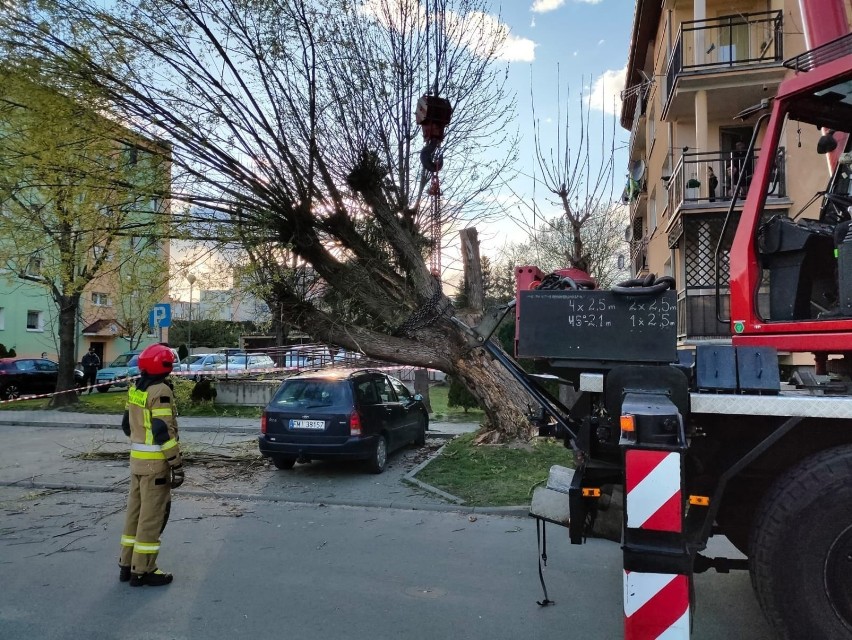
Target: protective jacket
{"x": 155, "y": 460}
{"x": 151, "y": 423}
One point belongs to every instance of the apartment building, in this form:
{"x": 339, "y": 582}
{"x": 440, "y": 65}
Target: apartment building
{"x": 692, "y": 67}
{"x": 83, "y": 208}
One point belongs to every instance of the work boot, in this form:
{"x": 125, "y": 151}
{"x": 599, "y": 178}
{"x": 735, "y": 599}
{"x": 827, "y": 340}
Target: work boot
{"x": 153, "y": 579}
{"x": 124, "y": 573}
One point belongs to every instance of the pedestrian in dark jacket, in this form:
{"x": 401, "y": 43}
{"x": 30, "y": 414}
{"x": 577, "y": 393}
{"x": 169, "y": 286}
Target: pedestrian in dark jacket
{"x": 91, "y": 363}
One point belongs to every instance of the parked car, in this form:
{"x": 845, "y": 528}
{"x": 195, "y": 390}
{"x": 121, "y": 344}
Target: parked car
{"x": 341, "y": 414}
{"x": 120, "y": 371}
{"x": 196, "y": 364}
{"x": 245, "y": 362}
{"x": 30, "y": 376}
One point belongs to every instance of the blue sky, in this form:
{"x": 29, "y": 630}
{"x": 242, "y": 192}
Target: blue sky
{"x": 577, "y": 41}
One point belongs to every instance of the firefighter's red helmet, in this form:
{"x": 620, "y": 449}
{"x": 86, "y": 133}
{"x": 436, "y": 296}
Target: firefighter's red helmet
{"x": 156, "y": 360}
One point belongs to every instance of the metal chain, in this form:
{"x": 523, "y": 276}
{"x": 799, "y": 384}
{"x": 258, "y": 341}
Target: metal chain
{"x": 425, "y": 315}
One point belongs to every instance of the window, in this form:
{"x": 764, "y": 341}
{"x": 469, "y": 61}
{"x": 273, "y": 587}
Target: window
{"x": 98, "y": 251}
{"x": 384, "y": 389}
{"x": 2, "y": 318}
{"x": 652, "y": 212}
{"x": 401, "y": 390}
{"x": 35, "y": 321}
{"x": 366, "y": 392}
{"x": 34, "y": 266}
{"x": 100, "y": 299}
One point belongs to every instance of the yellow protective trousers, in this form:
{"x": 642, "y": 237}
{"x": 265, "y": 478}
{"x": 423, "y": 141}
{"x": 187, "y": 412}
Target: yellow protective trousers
{"x": 148, "y": 508}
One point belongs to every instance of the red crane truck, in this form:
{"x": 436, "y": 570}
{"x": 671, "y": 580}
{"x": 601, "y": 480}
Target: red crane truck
{"x": 709, "y": 441}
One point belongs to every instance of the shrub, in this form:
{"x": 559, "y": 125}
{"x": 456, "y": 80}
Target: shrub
{"x": 203, "y": 391}
{"x": 459, "y": 396}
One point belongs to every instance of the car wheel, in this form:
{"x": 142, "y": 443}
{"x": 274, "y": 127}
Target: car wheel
{"x": 421, "y": 432}
{"x": 379, "y": 460}
{"x": 104, "y": 388}
{"x": 11, "y": 392}
{"x": 283, "y": 463}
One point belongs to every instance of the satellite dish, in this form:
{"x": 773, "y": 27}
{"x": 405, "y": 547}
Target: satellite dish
{"x": 636, "y": 170}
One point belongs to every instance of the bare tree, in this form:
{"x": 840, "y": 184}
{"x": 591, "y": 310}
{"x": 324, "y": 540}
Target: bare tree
{"x": 579, "y": 171}
{"x": 295, "y": 117}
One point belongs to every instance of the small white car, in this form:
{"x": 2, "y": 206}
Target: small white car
{"x": 241, "y": 363}
{"x": 197, "y": 364}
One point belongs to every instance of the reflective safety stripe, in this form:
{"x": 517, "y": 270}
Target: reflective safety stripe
{"x": 158, "y": 413}
{"x": 127, "y": 541}
{"x": 144, "y": 447}
{"x": 146, "y": 451}
{"x": 148, "y": 455}
{"x": 169, "y": 444}
{"x": 139, "y": 398}
{"x": 146, "y": 547}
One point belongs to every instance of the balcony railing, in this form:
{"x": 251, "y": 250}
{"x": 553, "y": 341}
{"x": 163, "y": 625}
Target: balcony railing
{"x": 638, "y": 257}
{"x": 730, "y": 41}
{"x": 710, "y": 177}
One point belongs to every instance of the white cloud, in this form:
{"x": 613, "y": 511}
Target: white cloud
{"x": 532, "y": 23}
{"x": 605, "y": 93}
{"x": 543, "y": 6}
{"x": 479, "y": 32}
{"x": 600, "y": 42}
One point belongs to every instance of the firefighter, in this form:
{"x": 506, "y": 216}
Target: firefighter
{"x": 155, "y": 468}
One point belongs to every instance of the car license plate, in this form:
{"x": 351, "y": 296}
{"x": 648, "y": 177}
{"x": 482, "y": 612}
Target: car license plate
{"x": 307, "y": 424}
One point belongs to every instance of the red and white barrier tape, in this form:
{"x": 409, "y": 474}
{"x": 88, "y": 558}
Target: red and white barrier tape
{"x": 214, "y": 373}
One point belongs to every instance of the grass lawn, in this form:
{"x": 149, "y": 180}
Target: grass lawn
{"x": 494, "y": 475}
{"x": 440, "y": 410}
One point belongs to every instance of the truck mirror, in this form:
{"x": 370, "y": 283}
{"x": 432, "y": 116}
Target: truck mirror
{"x": 826, "y": 143}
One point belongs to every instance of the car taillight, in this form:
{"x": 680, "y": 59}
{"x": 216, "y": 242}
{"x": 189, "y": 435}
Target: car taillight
{"x": 354, "y": 424}
{"x": 263, "y": 420}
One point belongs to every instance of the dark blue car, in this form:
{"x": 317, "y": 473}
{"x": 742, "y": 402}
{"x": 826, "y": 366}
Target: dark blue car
{"x": 343, "y": 414}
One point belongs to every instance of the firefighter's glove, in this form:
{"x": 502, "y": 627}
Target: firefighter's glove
{"x": 177, "y": 476}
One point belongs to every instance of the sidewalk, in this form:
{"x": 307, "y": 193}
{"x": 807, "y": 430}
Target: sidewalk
{"x": 218, "y": 424}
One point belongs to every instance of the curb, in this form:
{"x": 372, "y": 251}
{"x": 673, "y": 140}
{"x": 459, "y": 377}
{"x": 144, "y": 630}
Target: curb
{"x": 102, "y": 425}
{"x": 185, "y": 428}
{"x": 410, "y": 479}
{"x": 375, "y": 504}
{"x": 517, "y": 511}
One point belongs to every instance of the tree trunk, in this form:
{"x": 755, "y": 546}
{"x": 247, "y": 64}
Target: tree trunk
{"x": 472, "y": 268}
{"x": 506, "y": 403}
{"x": 68, "y": 306}
{"x": 421, "y": 386}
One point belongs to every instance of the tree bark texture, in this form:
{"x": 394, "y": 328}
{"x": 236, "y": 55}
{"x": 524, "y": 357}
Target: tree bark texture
{"x": 472, "y": 268}
{"x": 68, "y": 306}
{"x": 421, "y": 386}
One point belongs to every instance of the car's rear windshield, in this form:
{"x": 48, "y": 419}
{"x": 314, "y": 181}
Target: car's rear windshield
{"x": 306, "y": 394}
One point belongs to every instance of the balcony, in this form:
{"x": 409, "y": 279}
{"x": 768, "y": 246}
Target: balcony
{"x": 637, "y": 97}
{"x": 706, "y": 180}
{"x": 738, "y": 57}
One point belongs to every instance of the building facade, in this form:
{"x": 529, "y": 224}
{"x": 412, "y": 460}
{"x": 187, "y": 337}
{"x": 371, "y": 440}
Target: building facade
{"x": 692, "y": 68}
{"x": 82, "y": 212}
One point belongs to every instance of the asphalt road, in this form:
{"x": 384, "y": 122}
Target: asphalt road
{"x": 265, "y": 567}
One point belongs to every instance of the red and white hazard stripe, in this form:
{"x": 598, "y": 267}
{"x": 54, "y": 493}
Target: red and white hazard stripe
{"x": 654, "y": 499}
{"x": 656, "y": 606}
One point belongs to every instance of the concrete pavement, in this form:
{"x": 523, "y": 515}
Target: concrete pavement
{"x": 87, "y": 452}
{"x": 259, "y": 552}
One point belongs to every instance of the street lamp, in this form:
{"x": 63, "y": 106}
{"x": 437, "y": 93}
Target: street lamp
{"x": 191, "y": 278}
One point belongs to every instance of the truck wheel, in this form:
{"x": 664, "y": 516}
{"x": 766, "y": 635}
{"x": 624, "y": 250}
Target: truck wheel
{"x": 801, "y": 548}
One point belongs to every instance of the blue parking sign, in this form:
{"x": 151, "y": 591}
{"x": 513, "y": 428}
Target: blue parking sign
{"x": 160, "y": 316}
